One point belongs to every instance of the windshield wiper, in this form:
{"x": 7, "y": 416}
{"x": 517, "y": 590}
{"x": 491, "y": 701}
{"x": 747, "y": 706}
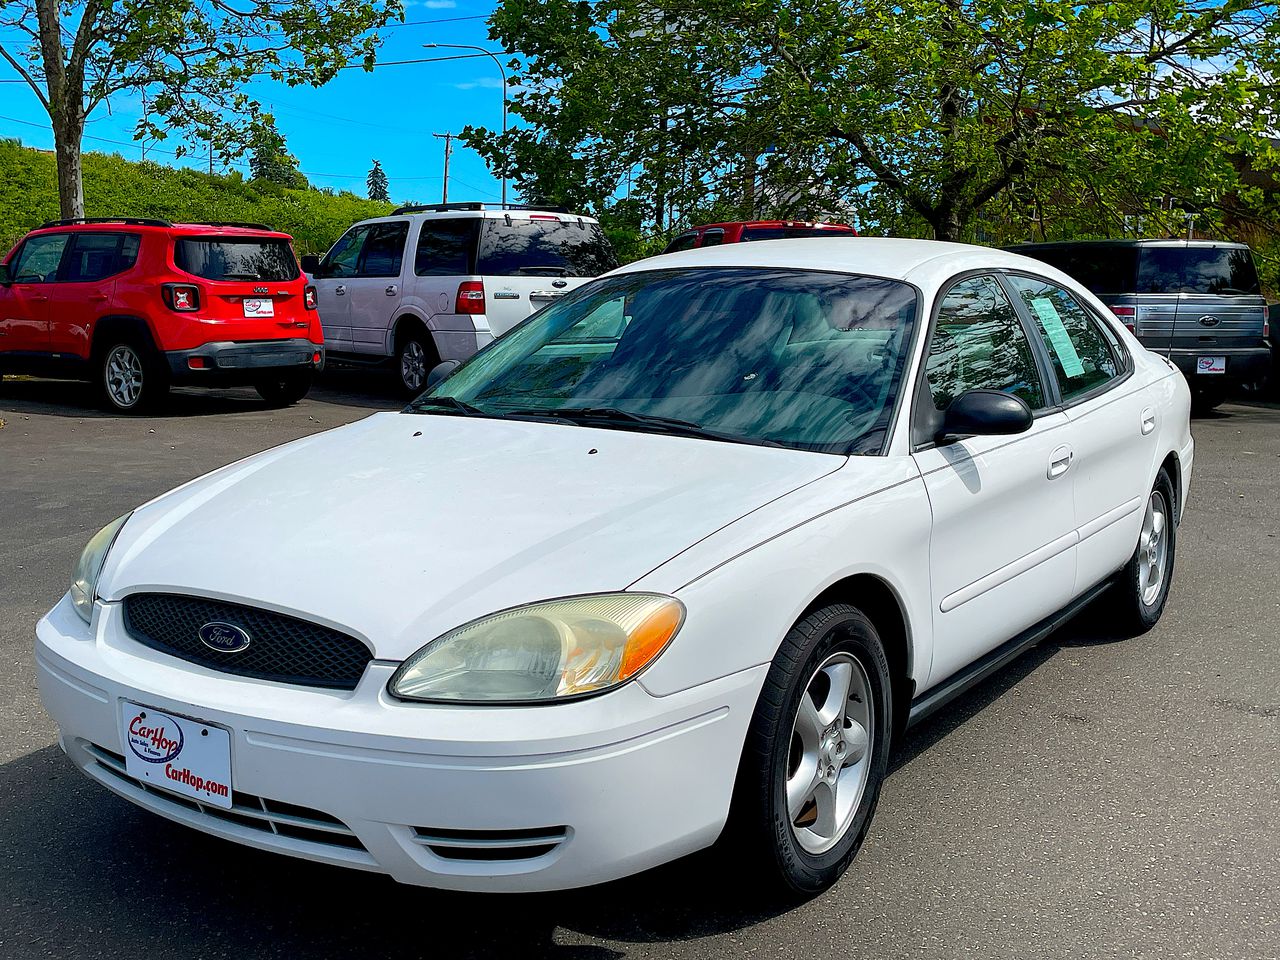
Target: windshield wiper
{"x": 451, "y": 405}
{"x": 612, "y": 416}
{"x": 241, "y": 276}
{"x": 543, "y": 270}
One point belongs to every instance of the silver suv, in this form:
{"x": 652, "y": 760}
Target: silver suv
{"x": 439, "y": 281}
{"x": 1196, "y": 302}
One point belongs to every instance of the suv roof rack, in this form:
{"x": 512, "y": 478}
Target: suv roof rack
{"x": 230, "y": 223}
{"x": 473, "y": 205}
{"x": 132, "y": 221}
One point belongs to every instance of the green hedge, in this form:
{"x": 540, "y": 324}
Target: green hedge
{"x": 114, "y": 186}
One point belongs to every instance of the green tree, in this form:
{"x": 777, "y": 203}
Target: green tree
{"x": 192, "y": 59}
{"x": 270, "y": 160}
{"x": 915, "y": 115}
{"x": 377, "y": 183}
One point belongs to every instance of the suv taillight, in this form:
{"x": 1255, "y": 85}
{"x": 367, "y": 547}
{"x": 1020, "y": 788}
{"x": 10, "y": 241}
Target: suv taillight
{"x": 309, "y": 298}
{"x": 182, "y": 297}
{"x": 1128, "y": 316}
{"x": 1266, "y": 323}
{"x": 470, "y": 297}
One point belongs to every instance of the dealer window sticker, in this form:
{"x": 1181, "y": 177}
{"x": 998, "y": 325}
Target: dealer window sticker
{"x": 1059, "y": 339}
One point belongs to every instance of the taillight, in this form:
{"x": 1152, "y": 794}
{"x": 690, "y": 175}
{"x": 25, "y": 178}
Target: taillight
{"x": 470, "y": 297}
{"x": 1128, "y": 316}
{"x": 1266, "y": 324}
{"x": 309, "y": 298}
{"x": 182, "y": 297}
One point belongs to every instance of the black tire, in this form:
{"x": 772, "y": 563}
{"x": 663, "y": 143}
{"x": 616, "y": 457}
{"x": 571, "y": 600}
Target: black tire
{"x": 415, "y": 355}
{"x": 1134, "y": 605}
{"x": 761, "y": 834}
{"x": 1204, "y": 401}
{"x": 131, "y": 359}
{"x": 285, "y": 389}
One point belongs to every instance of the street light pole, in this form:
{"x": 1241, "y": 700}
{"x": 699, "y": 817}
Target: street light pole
{"x": 502, "y": 70}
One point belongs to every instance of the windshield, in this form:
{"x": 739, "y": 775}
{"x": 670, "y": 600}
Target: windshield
{"x": 791, "y": 358}
{"x": 237, "y": 259}
{"x": 547, "y": 247}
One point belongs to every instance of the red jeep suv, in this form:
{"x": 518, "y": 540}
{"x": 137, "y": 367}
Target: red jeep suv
{"x": 745, "y": 231}
{"x": 136, "y": 306}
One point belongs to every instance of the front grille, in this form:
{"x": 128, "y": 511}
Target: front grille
{"x": 281, "y": 648}
{"x": 256, "y": 813}
{"x": 490, "y": 845}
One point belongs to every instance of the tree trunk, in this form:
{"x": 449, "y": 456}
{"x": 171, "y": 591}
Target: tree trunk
{"x": 67, "y": 134}
{"x": 948, "y": 224}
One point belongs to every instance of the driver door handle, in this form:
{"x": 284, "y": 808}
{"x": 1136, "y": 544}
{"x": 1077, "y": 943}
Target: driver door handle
{"x": 1059, "y": 461}
{"x": 392, "y": 290}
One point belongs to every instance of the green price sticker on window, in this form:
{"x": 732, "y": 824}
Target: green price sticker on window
{"x": 1059, "y": 339}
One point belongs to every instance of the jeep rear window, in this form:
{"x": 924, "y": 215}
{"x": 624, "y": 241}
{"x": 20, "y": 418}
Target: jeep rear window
{"x": 1217, "y": 270}
{"x": 543, "y": 248}
{"x": 790, "y": 233}
{"x": 248, "y": 259}
{"x": 1103, "y": 269}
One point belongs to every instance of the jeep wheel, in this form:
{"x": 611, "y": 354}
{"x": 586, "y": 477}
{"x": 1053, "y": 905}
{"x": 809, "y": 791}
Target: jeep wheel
{"x": 129, "y": 379}
{"x": 285, "y": 389}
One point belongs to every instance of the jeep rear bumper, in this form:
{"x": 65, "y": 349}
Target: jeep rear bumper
{"x": 231, "y": 362}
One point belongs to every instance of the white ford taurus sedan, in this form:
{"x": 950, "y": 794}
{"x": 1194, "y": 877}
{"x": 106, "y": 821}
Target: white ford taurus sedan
{"x": 679, "y": 557}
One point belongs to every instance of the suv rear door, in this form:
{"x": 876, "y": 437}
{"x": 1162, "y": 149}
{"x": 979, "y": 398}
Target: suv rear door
{"x": 1209, "y": 294}
{"x": 527, "y": 260}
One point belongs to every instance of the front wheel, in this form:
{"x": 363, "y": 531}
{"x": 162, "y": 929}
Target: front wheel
{"x": 816, "y": 753}
{"x": 1142, "y": 588}
{"x": 285, "y": 389}
{"x": 129, "y": 378}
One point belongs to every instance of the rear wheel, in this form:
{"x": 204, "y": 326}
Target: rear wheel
{"x": 1205, "y": 400}
{"x": 816, "y": 753}
{"x": 1142, "y": 588}
{"x": 285, "y": 389}
{"x": 415, "y": 356}
{"x": 129, "y": 377}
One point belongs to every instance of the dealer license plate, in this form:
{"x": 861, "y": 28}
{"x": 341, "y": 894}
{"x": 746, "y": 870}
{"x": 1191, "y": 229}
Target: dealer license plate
{"x": 1211, "y": 364}
{"x": 259, "y": 308}
{"x": 177, "y": 754}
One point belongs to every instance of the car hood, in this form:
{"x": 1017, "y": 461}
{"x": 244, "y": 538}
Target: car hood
{"x": 400, "y": 527}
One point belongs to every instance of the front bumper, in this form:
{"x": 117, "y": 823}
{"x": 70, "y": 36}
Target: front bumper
{"x": 463, "y": 798}
{"x": 236, "y": 362}
{"x": 1244, "y": 365}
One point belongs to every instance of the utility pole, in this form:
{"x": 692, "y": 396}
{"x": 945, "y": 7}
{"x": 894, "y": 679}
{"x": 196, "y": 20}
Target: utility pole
{"x": 144, "y": 117}
{"x": 448, "y": 139}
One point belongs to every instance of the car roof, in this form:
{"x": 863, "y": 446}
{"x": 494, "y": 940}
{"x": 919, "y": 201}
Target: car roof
{"x": 1145, "y": 242}
{"x": 914, "y": 261}
{"x": 478, "y": 212}
{"x": 114, "y": 224}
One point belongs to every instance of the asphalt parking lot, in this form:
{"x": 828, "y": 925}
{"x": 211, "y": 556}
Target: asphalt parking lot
{"x": 1103, "y": 797}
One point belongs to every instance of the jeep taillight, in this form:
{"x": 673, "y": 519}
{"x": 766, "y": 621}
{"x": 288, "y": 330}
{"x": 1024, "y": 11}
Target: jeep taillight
{"x": 182, "y": 297}
{"x": 309, "y": 298}
{"x": 470, "y": 297}
{"x": 1128, "y": 316}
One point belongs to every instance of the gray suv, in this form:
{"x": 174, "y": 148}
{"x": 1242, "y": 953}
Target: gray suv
{"x": 1196, "y": 302}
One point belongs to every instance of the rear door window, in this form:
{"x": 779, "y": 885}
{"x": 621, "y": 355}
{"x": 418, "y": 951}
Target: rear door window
{"x": 384, "y": 250}
{"x": 95, "y": 256}
{"x": 1103, "y": 269}
{"x": 1082, "y": 356}
{"x": 543, "y": 248}
{"x": 687, "y": 242}
{"x": 1213, "y": 270}
{"x": 37, "y": 261}
{"x": 447, "y": 248}
{"x": 227, "y": 258}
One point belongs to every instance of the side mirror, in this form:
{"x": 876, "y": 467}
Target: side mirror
{"x": 310, "y": 263}
{"x": 6, "y": 277}
{"x": 984, "y": 413}
{"x": 439, "y": 372}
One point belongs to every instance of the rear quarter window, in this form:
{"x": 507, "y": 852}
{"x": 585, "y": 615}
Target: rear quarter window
{"x": 228, "y": 258}
{"x": 543, "y": 248}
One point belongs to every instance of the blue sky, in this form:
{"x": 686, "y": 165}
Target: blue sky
{"x": 337, "y": 130}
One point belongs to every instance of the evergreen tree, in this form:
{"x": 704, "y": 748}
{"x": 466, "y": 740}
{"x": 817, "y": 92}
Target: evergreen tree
{"x": 377, "y": 183}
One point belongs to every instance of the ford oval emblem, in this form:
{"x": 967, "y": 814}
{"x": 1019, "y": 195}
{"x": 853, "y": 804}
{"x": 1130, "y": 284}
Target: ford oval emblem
{"x": 224, "y": 637}
{"x": 1209, "y": 321}
{"x": 559, "y": 284}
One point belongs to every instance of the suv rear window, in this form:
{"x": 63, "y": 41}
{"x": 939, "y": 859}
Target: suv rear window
{"x": 226, "y": 259}
{"x": 1218, "y": 270}
{"x": 543, "y": 247}
{"x": 789, "y": 233}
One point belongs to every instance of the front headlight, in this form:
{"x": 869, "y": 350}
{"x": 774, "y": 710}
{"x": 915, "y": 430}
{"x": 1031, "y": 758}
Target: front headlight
{"x": 84, "y": 582}
{"x": 545, "y": 651}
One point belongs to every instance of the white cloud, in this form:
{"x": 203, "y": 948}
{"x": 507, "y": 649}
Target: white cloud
{"x": 483, "y": 83}
{"x": 440, "y": 4}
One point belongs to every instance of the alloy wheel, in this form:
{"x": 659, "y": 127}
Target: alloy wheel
{"x": 830, "y": 754}
{"x": 124, "y": 375}
{"x": 413, "y": 365}
{"x": 1153, "y": 548}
